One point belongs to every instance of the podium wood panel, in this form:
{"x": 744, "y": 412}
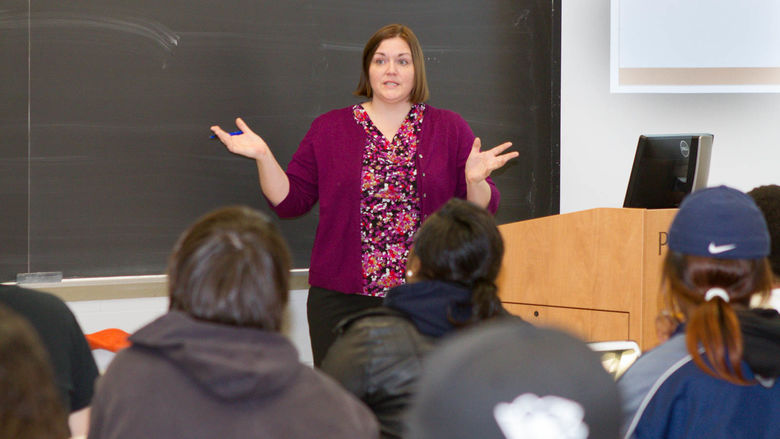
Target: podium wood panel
{"x": 587, "y": 323}
{"x": 594, "y": 272}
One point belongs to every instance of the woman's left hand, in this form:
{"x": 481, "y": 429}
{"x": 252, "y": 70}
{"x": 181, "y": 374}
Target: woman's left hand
{"x": 480, "y": 164}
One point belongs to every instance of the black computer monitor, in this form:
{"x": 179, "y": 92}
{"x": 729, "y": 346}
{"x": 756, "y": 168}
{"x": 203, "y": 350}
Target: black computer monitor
{"x": 667, "y": 168}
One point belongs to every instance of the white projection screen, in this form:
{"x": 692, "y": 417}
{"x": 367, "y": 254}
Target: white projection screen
{"x": 695, "y": 46}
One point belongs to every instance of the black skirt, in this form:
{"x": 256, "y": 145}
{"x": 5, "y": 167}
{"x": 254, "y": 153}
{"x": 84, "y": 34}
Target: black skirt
{"x": 325, "y": 309}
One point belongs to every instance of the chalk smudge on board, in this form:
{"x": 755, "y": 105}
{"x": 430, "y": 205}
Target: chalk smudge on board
{"x": 163, "y": 37}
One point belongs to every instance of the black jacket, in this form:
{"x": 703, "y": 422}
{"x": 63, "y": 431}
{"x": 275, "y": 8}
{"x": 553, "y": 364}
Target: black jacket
{"x": 378, "y": 355}
{"x": 761, "y": 341}
{"x": 74, "y": 367}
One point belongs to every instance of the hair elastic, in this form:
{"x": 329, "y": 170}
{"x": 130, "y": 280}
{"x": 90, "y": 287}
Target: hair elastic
{"x": 716, "y": 292}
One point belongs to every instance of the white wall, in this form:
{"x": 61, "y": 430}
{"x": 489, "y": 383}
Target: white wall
{"x": 125, "y": 314}
{"x": 599, "y": 130}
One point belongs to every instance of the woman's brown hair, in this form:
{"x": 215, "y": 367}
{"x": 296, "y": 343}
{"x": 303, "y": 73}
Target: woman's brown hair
{"x": 712, "y": 328}
{"x": 30, "y": 405}
{"x": 232, "y": 267}
{"x": 420, "y": 89}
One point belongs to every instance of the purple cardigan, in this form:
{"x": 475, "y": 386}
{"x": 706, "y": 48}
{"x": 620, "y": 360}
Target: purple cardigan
{"x": 326, "y": 168}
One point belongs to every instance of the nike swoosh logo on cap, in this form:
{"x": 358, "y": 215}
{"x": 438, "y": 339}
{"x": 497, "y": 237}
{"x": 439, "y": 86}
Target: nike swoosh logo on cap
{"x": 717, "y": 249}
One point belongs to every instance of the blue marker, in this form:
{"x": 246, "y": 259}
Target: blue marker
{"x": 234, "y": 133}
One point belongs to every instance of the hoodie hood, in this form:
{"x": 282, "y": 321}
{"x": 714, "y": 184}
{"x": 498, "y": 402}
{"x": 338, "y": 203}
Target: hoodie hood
{"x": 228, "y": 361}
{"x": 432, "y": 306}
{"x": 761, "y": 339}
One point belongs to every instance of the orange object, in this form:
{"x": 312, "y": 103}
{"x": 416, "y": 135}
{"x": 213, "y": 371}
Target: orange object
{"x": 111, "y": 339}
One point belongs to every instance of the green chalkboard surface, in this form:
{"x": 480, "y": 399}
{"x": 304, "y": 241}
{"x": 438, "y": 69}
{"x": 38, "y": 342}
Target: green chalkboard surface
{"x": 105, "y": 154}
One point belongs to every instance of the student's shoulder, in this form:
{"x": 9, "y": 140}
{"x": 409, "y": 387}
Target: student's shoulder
{"x": 15, "y": 296}
{"x": 327, "y": 397}
{"x": 670, "y": 355}
{"x": 375, "y": 323}
{"x": 381, "y": 328}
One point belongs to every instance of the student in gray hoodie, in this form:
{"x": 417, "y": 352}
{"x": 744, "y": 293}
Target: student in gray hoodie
{"x": 215, "y": 365}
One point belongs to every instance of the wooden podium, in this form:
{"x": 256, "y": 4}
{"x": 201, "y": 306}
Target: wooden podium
{"x": 596, "y": 273}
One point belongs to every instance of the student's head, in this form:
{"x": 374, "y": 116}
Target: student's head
{"x": 231, "y": 267}
{"x": 419, "y": 92}
{"x": 30, "y": 405}
{"x": 768, "y": 200}
{"x": 509, "y": 380}
{"x": 460, "y": 243}
{"x": 718, "y": 243}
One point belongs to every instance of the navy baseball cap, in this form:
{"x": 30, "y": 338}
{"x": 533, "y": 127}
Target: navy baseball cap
{"x": 719, "y": 222}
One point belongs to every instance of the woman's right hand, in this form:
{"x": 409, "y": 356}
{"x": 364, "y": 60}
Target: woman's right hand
{"x": 247, "y": 144}
{"x": 273, "y": 181}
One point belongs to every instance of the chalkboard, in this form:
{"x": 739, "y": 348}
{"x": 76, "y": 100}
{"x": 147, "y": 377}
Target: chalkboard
{"x": 105, "y": 154}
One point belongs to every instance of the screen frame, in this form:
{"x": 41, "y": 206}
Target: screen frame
{"x": 699, "y": 151}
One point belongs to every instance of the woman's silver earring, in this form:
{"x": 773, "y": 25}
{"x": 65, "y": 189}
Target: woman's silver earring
{"x": 409, "y": 273}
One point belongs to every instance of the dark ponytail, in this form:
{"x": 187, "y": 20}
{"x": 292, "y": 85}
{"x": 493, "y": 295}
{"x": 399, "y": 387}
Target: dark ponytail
{"x": 461, "y": 244}
{"x": 484, "y": 300}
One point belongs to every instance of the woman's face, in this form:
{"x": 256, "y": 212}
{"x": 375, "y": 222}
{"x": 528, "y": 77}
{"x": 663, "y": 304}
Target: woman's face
{"x": 391, "y": 72}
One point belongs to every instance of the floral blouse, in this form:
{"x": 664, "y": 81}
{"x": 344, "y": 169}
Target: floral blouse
{"x": 389, "y": 203}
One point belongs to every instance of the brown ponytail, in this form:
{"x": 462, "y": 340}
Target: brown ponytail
{"x": 712, "y": 327}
